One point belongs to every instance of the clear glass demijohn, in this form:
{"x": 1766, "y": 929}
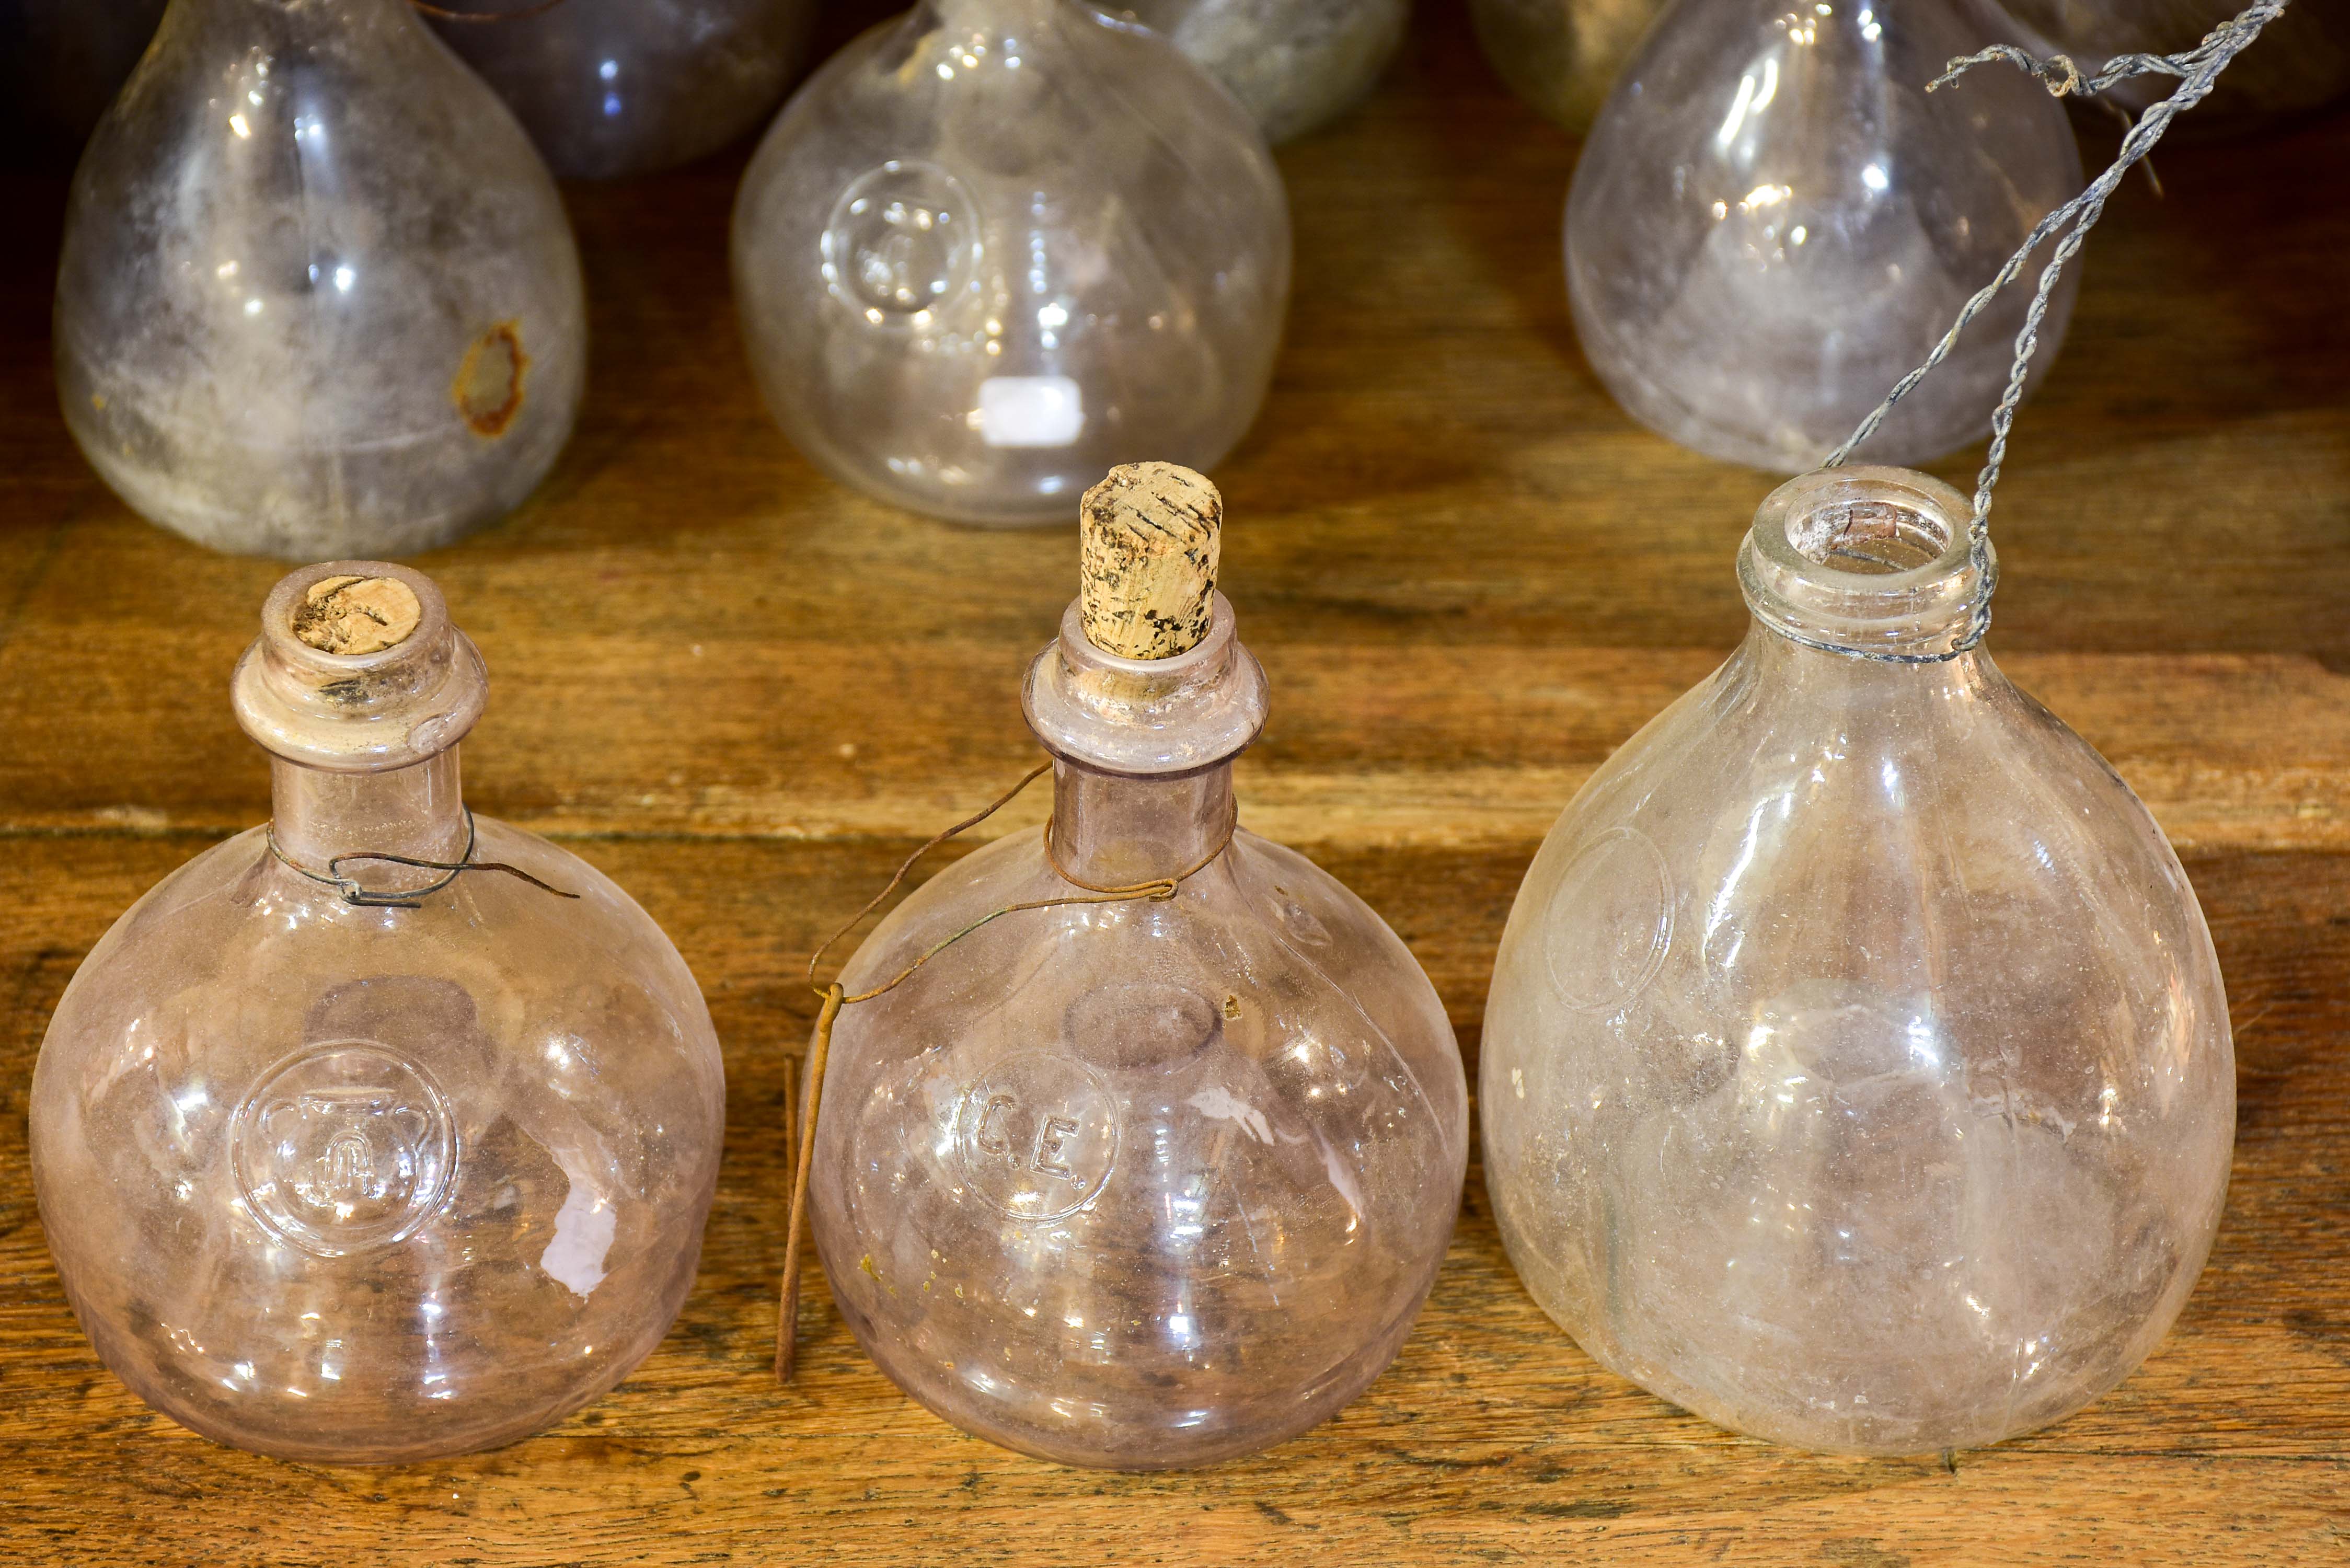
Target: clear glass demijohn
{"x": 1145, "y": 1184}
{"x": 319, "y": 296}
{"x": 1773, "y": 220}
{"x": 1856, "y": 1072}
{"x": 608, "y": 88}
{"x": 1294, "y": 65}
{"x": 356, "y": 1161}
{"x": 996, "y": 246}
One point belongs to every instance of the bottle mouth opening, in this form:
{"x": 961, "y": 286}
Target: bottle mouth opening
{"x": 411, "y": 685}
{"x": 1867, "y": 560}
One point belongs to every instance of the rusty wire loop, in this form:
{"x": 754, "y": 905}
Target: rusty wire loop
{"x": 1157, "y": 890}
{"x": 2198, "y": 69}
{"x": 364, "y": 898}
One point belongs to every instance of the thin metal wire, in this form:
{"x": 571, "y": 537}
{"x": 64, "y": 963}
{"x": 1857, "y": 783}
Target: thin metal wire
{"x": 1157, "y": 890}
{"x": 2199, "y": 69}
{"x": 406, "y": 898}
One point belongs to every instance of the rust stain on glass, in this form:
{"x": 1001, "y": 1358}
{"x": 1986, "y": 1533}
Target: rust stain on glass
{"x": 489, "y": 385}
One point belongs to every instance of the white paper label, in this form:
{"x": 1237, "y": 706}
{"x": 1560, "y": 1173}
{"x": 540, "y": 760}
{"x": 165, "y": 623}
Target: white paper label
{"x": 1030, "y": 411}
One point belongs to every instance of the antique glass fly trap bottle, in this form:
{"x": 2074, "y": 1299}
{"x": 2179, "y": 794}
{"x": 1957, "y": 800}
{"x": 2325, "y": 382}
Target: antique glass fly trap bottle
{"x": 1154, "y": 1165}
{"x": 995, "y": 246}
{"x": 1856, "y": 1072}
{"x": 383, "y": 1131}
{"x": 1774, "y": 219}
{"x": 318, "y": 295}
{"x": 608, "y": 88}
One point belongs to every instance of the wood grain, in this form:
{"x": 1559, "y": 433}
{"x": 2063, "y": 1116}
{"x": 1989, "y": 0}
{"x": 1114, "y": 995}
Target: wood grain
{"x": 742, "y": 692}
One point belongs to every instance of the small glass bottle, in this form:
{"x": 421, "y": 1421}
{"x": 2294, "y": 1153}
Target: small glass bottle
{"x": 1294, "y": 65}
{"x": 1152, "y": 1183}
{"x": 609, "y": 88}
{"x": 1562, "y": 56}
{"x": 1856, "y": 1072}
{"x": 995, "y": 246}
{"x": 348, "y": 1159}
{"x": 318, "y": 295}
{"x": 1774, "y": 221}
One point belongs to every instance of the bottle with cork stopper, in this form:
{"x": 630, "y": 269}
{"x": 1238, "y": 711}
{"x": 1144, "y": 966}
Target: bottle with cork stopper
{"x": 1156, "y": 1167}
{"x": 383, "y": 1131}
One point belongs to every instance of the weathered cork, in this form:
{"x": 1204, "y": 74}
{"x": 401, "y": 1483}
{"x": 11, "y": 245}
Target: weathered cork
{"x": 1153, "y": 536}
{"x": 356, "y": 615}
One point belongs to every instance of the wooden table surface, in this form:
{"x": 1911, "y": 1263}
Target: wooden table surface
{"x": 740, "y": 690}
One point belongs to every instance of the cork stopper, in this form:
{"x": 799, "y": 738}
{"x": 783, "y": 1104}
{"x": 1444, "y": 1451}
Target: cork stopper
{"x": 1153, "y": 536}
{"x": 356, "y": 615}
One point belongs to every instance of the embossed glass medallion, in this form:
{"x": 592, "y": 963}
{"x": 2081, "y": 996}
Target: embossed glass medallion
{"x": 344, "y": 1146}
{"x": 1038, "y": 1135}
{"x": 1611, "y": 920}
{"x": 1857, "y": 1069}
{"x": 903, "y": 245}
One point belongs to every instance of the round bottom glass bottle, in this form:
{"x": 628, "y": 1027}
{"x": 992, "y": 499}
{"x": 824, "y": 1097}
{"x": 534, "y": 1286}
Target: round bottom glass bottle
{"x": 1857, "y": 1072}
{"x": 357, "y": 1161}
{"x": 1145, "y": 1184}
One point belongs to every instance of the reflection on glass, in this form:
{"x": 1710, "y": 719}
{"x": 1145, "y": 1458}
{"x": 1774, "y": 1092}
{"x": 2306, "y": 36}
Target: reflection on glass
{"x": 608, "y": 88}
{"x": 1773, "y": 222}
{"x": 997, "y": 246}
{"x": 319, "y": 296}
{"x": 381, "y": 1183}
{"x": 1857, "y": 1071}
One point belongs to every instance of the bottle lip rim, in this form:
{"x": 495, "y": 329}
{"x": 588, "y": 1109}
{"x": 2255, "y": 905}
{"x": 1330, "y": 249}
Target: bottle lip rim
{"x": 1808, "y": 493}
{"x": 1923, "y": 612}
{"x": 293, "y": 589}
{"x": 363, "y": 712}
{"x": 1146, "y": 718}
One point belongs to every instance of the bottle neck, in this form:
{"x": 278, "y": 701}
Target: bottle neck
{"x": 1115, "y": 831}
{"x": 417, "y": 811}
{"x": 1773, "y": 660}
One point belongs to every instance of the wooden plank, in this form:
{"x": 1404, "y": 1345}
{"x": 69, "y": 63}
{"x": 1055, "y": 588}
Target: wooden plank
{"x": 1492, "y": 1434}
{"x": 729, "y": 683}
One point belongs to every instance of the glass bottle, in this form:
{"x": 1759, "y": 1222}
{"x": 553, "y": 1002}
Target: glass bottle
{"x": 608, "y": 88}
{"x": 386, "y": 1178}
{"x": 1294, "y": 65}
{"x": 62, "y": 64}
{"x": 1856, "y": 1072}
{"x": 318, "y": 295}
{"x": 1774, "y": 221}
{"x": 995, "y": 246}
{"x": 2300, "y": 63}
{"x": 1562, "y": 56}
{"x": 1145, "y": 1184}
